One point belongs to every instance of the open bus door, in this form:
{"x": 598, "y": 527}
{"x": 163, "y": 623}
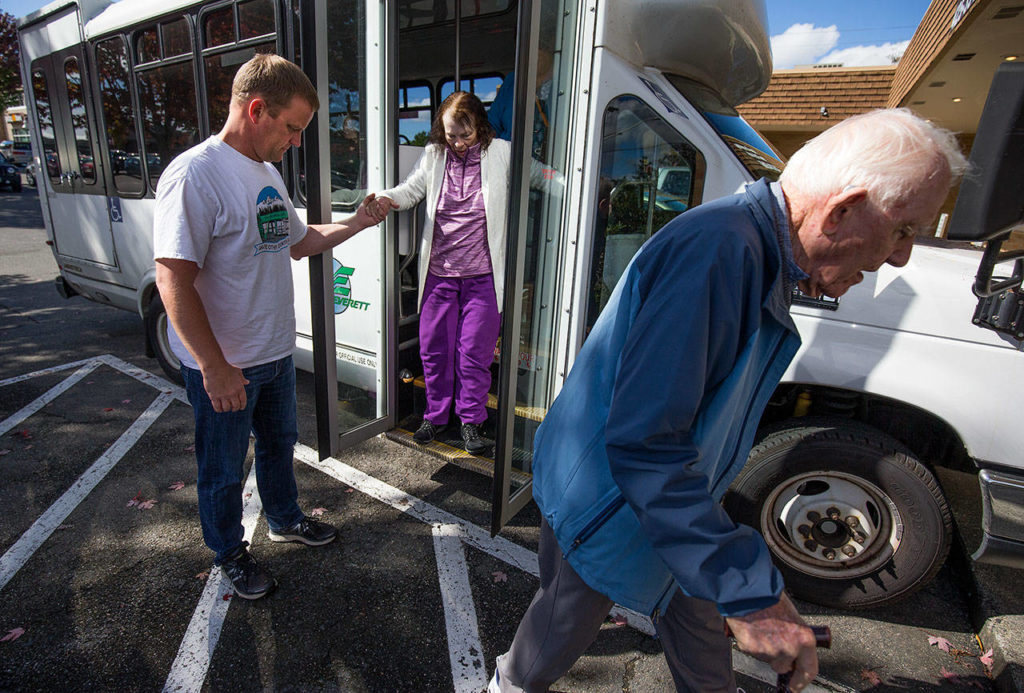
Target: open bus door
{"x": 352, "y": 318}
{"x": 534, "y": 325}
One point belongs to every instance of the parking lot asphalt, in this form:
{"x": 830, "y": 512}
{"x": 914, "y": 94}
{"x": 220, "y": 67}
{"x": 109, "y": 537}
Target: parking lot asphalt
{"x": 105, "y": 583}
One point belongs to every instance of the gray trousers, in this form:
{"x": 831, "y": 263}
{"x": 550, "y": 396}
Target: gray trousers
{"x": 566, "y": 615}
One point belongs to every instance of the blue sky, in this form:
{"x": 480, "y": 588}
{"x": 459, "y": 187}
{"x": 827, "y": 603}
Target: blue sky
{"x": 858, "y": 32}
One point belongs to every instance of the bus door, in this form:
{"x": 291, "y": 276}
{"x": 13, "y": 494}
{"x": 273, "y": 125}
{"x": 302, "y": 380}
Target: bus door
{"x": 548, "y": 129}
{"x": 346, "y": 298}
{"x": 76, "y": 194}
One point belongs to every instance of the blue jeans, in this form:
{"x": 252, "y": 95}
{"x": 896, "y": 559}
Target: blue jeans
{"x": 222, "y": 441}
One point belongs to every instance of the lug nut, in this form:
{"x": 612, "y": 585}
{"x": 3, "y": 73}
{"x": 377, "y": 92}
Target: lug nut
{"x": 811, "y": 545}
{"x": 813, "y": 516}
{"x": 852, "y": 521}
{"x": 849, "y": 551}
{"x": 829, "y": 554}
{"x": 859, "y": 538}
{"x": 805, "y": 530}
{"x": 833, "y": 513}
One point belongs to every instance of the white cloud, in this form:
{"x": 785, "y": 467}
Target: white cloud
{"x": 862, "y": 56}
{"x": 802, "y": 44}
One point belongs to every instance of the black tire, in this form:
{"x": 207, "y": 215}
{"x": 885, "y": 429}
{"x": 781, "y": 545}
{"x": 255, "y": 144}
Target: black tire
{"x": 806, "y": 470}
{"x": 156, "y": 333}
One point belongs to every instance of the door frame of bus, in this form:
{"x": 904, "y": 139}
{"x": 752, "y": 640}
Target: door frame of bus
{"x": 504, "y": 505}
{"x": 313, "y": 23}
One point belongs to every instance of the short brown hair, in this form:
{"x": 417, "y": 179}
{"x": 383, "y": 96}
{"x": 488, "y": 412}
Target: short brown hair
{"x": 274, "y": 79}
{"x": 467, "y": 110}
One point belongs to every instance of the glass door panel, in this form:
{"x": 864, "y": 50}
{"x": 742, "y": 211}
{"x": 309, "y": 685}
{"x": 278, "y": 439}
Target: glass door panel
{"x": 536, "y": 251}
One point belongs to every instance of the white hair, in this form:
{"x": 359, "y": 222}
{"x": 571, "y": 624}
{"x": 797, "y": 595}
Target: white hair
{"x": 890, "y": 152}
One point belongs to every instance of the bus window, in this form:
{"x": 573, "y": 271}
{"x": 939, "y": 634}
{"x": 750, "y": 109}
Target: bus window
{"x": 649, "y": 174}
{"x": 79, "y": 121}
{"x": 346, "y": 66}
{"x": 255, "y": 18}
{"x": 485, "y": 87}
{"x": 167, "y": 97}
{"x": 147, "y": 46}
{"x": 416, "y": 13}
{"x": 415, "y": 114}
{"x": 219, "y": 27}
{"x": 118, "y": 114}
{"x": 255, "y": 22}
{"x": 176, "y": 38}
{"x": 44, "y": 115}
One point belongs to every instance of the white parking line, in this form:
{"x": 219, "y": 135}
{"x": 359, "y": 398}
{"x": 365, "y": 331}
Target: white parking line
{"x": 45, "y": 398}
{"x": 188, "y": 672}
{"x": 196, "y": 650}
{"x": 469, "y": 673}
{"x": 29, "y": 542}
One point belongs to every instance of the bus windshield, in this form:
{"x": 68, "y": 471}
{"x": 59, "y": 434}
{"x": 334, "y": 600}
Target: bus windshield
{"x": 756, "y": 155}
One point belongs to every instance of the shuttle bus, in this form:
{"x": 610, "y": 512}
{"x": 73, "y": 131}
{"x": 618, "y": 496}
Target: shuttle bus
{"x": 634, "y": 123}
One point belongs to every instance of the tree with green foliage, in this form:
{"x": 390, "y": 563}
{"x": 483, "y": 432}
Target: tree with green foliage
{"x": 10, "y": 55}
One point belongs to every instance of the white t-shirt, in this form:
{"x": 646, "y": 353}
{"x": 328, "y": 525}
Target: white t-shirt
{"x": 232, "y": 217}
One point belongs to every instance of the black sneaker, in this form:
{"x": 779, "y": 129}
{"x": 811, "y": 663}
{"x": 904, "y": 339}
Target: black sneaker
{"x": 475, "y": 445}
{"x": 309, "y": 532}
{"x": 427, "y": 432}
{"x": 248, "y": 579}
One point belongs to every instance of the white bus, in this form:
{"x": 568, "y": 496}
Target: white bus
{"x": 637, "y": 124}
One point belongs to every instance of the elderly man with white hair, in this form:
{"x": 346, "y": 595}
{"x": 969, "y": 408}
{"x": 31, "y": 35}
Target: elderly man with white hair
{"x": 659, "y": 411}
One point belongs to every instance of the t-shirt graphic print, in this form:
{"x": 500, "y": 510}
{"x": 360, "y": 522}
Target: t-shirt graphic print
{"x": 272, "y": 221}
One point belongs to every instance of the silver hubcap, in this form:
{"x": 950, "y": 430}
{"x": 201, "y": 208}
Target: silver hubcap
{"x": 831, "y": 525}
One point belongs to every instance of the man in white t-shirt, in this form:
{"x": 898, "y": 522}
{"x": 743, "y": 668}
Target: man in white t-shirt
{"x": 225, "y": 232}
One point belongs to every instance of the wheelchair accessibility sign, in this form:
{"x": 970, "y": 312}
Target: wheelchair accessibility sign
{"x": 114, "y": 207}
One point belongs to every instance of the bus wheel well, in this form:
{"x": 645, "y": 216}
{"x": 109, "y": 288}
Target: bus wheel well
{"x": 931, "y": 439}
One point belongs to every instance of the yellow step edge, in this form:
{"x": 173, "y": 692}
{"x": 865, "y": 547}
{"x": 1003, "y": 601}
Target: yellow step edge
{"x": 532, "y": 413}
{"x": 453, "y": 455}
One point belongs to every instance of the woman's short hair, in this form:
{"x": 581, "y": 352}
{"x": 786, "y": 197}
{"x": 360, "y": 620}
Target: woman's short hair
{"x": 275, "y": 80}
{"x": 890, "y": 152}
{"x": 468, "y": 111}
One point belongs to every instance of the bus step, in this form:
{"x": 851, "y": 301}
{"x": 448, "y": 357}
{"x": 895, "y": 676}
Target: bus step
{"x": 448, "y": 447}
{"x": 523, "y": 412}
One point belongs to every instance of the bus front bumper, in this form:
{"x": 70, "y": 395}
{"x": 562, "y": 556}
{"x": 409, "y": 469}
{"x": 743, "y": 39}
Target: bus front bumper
{"x": 1002, "y": 497}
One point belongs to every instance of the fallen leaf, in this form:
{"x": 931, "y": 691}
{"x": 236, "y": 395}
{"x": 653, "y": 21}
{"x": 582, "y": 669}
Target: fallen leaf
{"x": 3, "y": 452}
{"x": 126, "y": 401}
{"x": 349, "y": 490}
{"x": 190, "y": 448}
{"x": 147, "y": 504}
{"x": 13, "y": 634}
{"x": 177, "y": 486}
{"x": 987, "y": 659}
{"x": 620, "y": 620}
{"x": 29, "y": 446}
{"x": 228, "y": 596}
{"x": 499, "y": 576}
{"x": 203, "y": 575}
{"x": 317, "y": 512}
{"x": 248, "y": 495}
{"x": 108, "y": 409}
{"x": 24, "y": 434}
{"x": 89, "y": 382}
{"x": 941, "y": 642}
{"x": 64, "y": 526}
{"x": 871, "y": 677}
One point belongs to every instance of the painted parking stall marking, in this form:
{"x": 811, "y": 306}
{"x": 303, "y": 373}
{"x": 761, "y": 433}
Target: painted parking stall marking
{"x": 449, "y": 532}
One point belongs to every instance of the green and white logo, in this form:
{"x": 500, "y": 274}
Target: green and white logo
{"x": 343, "y": 290}
{"x": 272, "y": 220}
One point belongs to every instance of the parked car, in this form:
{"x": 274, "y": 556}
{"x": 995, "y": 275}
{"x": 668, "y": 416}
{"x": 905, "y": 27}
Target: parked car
{"x": 10, "y": 175}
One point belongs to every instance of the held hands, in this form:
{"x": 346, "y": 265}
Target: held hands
{"x": 777, "y": 635}
{"x": 374, "y": 210}
{"x": 225, "y": 386}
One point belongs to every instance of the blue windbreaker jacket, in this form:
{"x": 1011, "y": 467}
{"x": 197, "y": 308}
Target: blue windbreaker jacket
{"x": 658, "y": 414}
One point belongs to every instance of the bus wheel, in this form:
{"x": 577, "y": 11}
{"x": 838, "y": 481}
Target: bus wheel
{"x": 156, "y": 333}
{"x": 852, "y": 519}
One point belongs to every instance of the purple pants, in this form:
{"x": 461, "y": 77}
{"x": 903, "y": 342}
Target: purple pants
{"x": 459, "y": 325}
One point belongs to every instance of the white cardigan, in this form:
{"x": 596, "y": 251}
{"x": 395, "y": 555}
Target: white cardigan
{"x": 425, "y": 183}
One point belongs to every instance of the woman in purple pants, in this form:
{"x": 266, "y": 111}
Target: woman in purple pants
{"x": 463, "y": 175}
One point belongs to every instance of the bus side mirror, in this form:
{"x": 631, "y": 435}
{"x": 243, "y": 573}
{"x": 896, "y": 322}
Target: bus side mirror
{"x": 991, "y": 200}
